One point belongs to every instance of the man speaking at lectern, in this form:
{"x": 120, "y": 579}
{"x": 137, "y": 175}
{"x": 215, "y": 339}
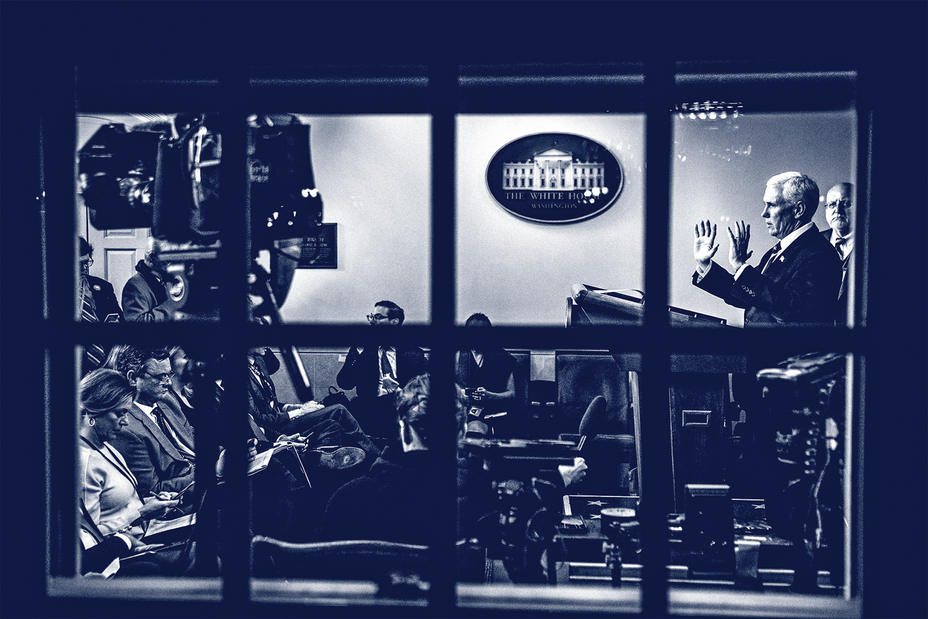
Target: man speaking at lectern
{"x": 796, "y": 281}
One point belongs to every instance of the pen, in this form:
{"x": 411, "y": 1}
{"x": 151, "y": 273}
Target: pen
{"x": 177, "y": 496}
{"x": 187, "y": 487}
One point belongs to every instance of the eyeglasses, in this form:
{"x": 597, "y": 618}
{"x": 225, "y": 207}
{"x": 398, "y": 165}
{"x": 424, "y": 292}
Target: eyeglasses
{"x": 162, "y": 378}
{"x": 376, "y": 317}
{"x": 88, "y": 261}
{"x": 842, "y": 203}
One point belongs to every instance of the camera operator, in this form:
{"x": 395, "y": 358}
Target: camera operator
{"x": 145, "y": 296}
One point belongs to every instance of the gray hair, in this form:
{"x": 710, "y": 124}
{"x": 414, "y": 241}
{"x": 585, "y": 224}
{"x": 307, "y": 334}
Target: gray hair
{"x": 797, "y": 187}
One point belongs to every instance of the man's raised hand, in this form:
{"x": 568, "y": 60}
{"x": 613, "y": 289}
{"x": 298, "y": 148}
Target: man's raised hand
{"x": 704, "y": 246}
{"x": 738, "y": 253}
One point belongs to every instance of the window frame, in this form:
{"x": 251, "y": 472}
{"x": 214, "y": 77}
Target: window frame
{"x": 660, "y": 85}
{"x": 56, "y": 96}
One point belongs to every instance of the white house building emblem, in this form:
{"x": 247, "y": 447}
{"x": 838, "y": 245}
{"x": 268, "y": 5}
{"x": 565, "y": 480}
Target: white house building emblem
{"x": 554, "y": 178}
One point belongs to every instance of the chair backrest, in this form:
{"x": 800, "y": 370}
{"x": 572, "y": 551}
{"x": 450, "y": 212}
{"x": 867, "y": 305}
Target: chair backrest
{"x": 583, "y": 375}
{"x": 368, "y": 560}
{"x": 372, "y": 560}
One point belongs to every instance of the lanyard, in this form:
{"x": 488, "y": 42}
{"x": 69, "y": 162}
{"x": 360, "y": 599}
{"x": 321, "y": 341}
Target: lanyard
{"x": 117, "y": 462}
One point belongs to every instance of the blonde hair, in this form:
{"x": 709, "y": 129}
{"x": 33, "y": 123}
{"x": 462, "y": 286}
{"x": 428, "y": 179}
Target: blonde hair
{"x": 102, "y": 390}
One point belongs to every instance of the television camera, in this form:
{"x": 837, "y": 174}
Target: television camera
{"x": 166, "y": 176}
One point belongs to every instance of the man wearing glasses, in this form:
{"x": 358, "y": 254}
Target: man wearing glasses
{"x": 796, "y": 281}
{"x": 839, "y": 211}
{"x": 377, "y": 371}
{"x": 158, "y": 444}
{"x": 145, "y": 296}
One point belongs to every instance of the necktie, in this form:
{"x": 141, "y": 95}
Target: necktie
{"x": 266, "y": 385}
{"x": 256, "y": 430}
{"x": 385, "y": 368}
{"x": 385, "y": 371}
{"x": 772, "y": 257}
{"x": 168, "y": 432}
{"x": 94, "y": 353}
{"x": 839, "y": 246}
{"x": 163, "y": 423}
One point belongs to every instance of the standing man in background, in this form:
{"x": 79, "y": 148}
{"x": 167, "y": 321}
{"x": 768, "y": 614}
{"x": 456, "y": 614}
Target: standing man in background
{"x": 376, "y": 372}
{"x": 839, "y": 211}
{"x": 97, "y": 303}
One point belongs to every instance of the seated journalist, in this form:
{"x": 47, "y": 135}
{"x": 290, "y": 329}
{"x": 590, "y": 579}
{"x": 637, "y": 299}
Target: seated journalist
{"x": 278, "y": 418}
{"x": 114, "y": 515}
{"x": 158, "y": 443}
{"x": 488, "y": 379}
{"x": 376, "y": 372}
{"x": 316, "y": 449}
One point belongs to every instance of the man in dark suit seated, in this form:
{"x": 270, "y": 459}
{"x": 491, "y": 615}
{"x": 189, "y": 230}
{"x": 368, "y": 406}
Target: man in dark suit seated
{"x": 311, "y": 422}
{"x": 316, "y": 449}
{"x": 158, "y": 443}
{"x": 376, "y": 372}
{"x": 98, "y": 303}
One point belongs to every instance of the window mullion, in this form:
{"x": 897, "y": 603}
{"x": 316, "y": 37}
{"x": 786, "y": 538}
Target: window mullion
{"x": 442, "y": 100}
{"x": 655, "y": 428}
{"x": 58, "y": 127}
{"x": 235, "y": 256}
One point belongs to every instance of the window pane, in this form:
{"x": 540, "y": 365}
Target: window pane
{"x": 721, "y": 167}
{"x": 521, "y": 251}
{"x": 768, "y": 447}
{"x": 371, "y": 173}
{"x": 374, "y": 176}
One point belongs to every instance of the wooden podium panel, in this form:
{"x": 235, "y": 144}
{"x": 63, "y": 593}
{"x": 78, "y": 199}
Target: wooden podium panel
{"x": 698, "y": 393}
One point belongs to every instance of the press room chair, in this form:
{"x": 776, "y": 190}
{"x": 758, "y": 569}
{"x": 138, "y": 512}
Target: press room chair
{"x": 609, "y": 457}
{"x": 593, "y": 400}
{"x": 542, "y": 408}
{"x": 580, "y": 377}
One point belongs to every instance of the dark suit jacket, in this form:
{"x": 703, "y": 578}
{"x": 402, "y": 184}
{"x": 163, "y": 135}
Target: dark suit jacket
{"x": 151, "y": 456}
{"x": 104, "y": 298}
{"x": 362, "y": 372}
{"x": 144, "y": 298}
{"x": 260, "y": 394}
{"x": 801, "y": 286}
{"x": 841, "y": 310}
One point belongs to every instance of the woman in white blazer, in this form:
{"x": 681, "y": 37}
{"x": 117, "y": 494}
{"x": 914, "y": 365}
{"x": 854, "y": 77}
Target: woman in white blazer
{"x": 109, "y": 500}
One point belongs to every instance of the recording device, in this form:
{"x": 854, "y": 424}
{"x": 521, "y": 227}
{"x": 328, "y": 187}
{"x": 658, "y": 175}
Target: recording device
{"x": 620, "y": 526}
{"x": 165, "y": 176}
{"x": 528, "y": 517}
{"x": 709, "y": 530}
{"x": 804, "y": 401}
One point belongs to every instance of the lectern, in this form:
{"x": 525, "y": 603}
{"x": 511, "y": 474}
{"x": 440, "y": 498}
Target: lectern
{"x": 699, "y": 386}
